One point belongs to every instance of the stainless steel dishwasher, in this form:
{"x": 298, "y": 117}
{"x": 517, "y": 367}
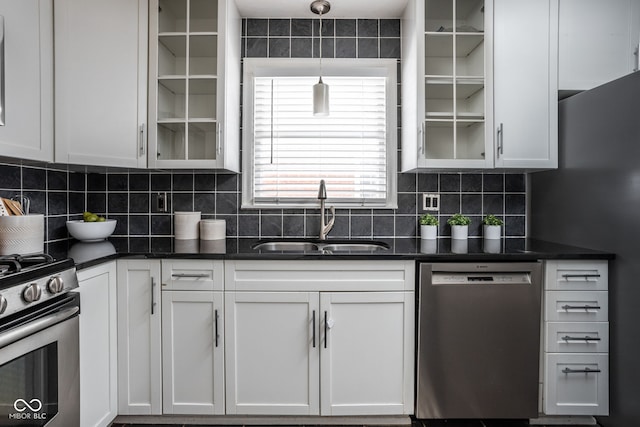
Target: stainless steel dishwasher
{"x": 478, "y": 340}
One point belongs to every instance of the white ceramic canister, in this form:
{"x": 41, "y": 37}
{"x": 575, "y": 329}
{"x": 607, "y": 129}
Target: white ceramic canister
{"x": 21, "y": 234}
{"x": 186, "y": 225}
{"x": 213, "y": 229}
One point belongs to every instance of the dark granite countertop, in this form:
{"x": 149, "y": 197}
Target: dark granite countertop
{"x": 443, "y": 249}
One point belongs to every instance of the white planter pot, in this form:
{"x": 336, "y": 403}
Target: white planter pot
{"x": 459, "y": 232}
{"x": 492, "y": 231}
{"x": 429, "y": 232}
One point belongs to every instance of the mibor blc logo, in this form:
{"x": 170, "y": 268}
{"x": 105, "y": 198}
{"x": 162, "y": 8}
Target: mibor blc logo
{"x": 28, "y": 410}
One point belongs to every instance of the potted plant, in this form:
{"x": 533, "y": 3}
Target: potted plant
{"x": 459, "y": 226}
{"x": 492, "y": 227}
{"x": 428, "y": 227}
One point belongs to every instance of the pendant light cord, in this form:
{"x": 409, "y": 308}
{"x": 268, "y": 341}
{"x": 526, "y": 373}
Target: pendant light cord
{"x": 320, "y": 46}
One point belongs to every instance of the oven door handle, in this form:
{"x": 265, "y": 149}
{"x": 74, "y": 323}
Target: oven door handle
{"x": 13, "y": 335}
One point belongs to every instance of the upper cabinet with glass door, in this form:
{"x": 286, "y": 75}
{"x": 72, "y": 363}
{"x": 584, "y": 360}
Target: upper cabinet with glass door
{"x": 447, "y": 77}
{"x": 194, "y": 84}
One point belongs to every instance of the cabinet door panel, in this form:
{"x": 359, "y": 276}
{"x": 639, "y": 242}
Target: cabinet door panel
{"x": 272, "y": 365}
{"x": 139, "y": 346}
{"x": 193, "y": 365}
{"x": 367, "y": 348}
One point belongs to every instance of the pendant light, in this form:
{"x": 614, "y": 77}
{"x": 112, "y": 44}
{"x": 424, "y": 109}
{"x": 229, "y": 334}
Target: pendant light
{"x": 320, "y": 89}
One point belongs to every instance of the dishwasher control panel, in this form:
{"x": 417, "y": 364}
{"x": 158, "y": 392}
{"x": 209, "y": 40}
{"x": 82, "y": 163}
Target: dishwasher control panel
{"x": 450, "y": 278}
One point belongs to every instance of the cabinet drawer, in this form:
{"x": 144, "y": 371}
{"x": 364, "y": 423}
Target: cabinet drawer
{"x": 570, "y": 306}
{"x": 192, "y": 275}
{"x": 576, "y": 275}
{"x": 577, "y": 337}
{"x": 576, "y": 384}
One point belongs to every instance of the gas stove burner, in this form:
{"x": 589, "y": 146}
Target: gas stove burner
{"x": 14, "y": 263}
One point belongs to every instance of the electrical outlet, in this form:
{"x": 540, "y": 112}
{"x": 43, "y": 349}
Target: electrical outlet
{"x": 430, "y": 202}
{"x": 160, "y": 203}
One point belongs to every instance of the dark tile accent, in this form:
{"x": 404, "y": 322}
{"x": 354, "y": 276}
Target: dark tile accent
{"x": 475, "y": 228}
{"x": 139, "y": 225}
{"x": 226, "y": 203}
{"x": 227, "y": 182}
{"x": 161, "y": 244}
{"x": 312, "y": 226}
{"x": 328, "y": 27}
{"x": 122, "y": 224}
{"x": 279, "y": 48}
{"x": 406, "y": 182}
{"x": 493, "y": 204}
{"x": 301, "y": 48}
{"x": 57, "y": 228}
{"x": 301, "y": 27}
{"x": 160, "y": 182}
{"x": 368, "y": 48}
{"x": 140, "y": 181}
{"x": 361, "y": 226}
{"x": 293, "y": 225}
{"x": 56, "y": 180}
{"x": 38, "y": 201}
{"x": 204, "y": 202}
{"x": 205, "y": 182}
{"x": 256, "y": 47}
{"x": 515, "y": 204}
{"x": 118, "y": 202}
{"x": 389, "y": 28}
{"x": 471, "y": 203}
{"x": 383, "y": 226}
{"x": 514, "y": 226}
{"x": 139, "y": 244}
{"x": 340, "y": 228}
{"x": 257, "y": 27}
{"x": 118, "y": 182}
{"x": 390, "y": 48}
{"x": 493, "y": 183}
{"x": 183, "y": 182}
{"x": 367, "y": 28}
{"x": 139, "y": 202}
{"x": 450, "y": 182}
{"x": 406, "y": 225}
{"x": 345, "y": 27}
{"x": 57, "y": 203}
{"x": 346, "y": 48}
{"x": 271, "y": 226}
{"x": 182, "y": 202}
{"x": 232, "y": 224}
{"x": 428, "y": 182}
{"x": 248, "y": 225}
{"x": 76, "y": 203}
{"x": 471, "y": 182}
{"x": 96, "y": 202}
{"x": 76, "y": 181}
{"x": 96, "y": 182}
{"x": 449, "y": 203}
{"x": 34, "y": 179}
{"x": 161, "y": 224}
{"x": 10, "y": 177}
{"x": 328, "y": 48}
{"x": 407, "y": 204}
{"x": 515, "y": 183}
{"x": 279, "y": 27}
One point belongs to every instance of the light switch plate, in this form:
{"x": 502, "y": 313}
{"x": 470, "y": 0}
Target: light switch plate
{"x": 430, "y": 202}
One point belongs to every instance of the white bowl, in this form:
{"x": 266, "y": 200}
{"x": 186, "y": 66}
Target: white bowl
{"x": 91, "y": 231}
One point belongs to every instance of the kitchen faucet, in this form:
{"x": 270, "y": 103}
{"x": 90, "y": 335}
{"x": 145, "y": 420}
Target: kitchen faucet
{"x": 325, "y": 228}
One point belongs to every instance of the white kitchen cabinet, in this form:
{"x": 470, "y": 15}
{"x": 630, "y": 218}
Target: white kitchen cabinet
{"x": 447, "y": 84}
{"x": 192, "y": 337}
{"x": 194, "y": 84}
{"x": 525, "y": 84}
{"x": 576, "y": 338}
{"x": 26, "y": 72}
{"x": 598, "y": 42}
{"x": 139, "y": 337}
{"x": 192, "y": 352}
{"x": 319, "y": 349}
{"x": 101, "y": 82}
{"x": 98, "y": 345}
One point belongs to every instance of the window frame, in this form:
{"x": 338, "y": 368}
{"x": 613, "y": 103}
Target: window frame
{"x": 282, "y": 67}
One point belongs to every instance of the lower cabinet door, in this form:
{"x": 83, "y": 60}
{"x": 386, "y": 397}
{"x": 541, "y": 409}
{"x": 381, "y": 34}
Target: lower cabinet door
{"x": 272, "y": 353}
{"x": 366, "y": 353}
{"x": 576, "y": 384}
{"x": 192, "y": 352}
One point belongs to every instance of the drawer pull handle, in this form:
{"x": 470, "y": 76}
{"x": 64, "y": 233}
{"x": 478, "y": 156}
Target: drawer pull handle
{"x": 313, "y": 325}
{"x": 585, "y": 276}
{"x": 190, "y": 275}
{"x": 585, "y": 338}
{"x": 216, "y": 327}
{"x": 580, "y": 371}
{"x": 581, "y": 307}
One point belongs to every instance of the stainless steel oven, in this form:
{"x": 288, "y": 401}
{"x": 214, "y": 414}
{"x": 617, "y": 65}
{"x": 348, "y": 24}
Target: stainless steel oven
{"x": 39, "y": 349}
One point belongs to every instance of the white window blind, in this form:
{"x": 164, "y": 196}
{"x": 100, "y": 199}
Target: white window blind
{"x": 293, "y": 150}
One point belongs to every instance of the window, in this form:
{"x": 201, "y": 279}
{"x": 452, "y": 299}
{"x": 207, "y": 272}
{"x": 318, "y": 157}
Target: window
{"x": 287, "y": 150}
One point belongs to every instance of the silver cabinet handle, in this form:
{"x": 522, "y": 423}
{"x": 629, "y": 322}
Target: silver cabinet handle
{"x": 585, "y": 276}
{"x": 2, "y": 105}
{"x": 218, "y": 139}
{"x": 580, "y": 371}
{"x": 216, "y": 325}
{"x": 190, "y": 275}
{"x": 636, "y": 53}
{"x": 141, "y": 137}
{"x": 585, "y": 338}
{"x": 581, "y": 307}
{"x": 153, "y": 301}
{"x": 326, "y": 328}
{"x": 500, "y": 138}
{"x": 422, "y": 149}
{"x": 313, "y": 325}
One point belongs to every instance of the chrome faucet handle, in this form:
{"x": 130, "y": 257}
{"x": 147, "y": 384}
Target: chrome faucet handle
{"x": 329, "y": 226}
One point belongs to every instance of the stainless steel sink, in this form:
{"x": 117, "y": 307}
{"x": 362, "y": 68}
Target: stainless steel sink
{"x": 320, "y": 246}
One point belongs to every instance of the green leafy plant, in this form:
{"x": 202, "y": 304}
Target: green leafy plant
{"x": 428, "y": 219}
{"x": 459, "y": 219}
{"x": 492, "y": 220}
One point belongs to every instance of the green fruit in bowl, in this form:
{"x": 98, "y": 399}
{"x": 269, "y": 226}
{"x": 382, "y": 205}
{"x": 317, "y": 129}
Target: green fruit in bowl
{"x": 101, "y": 219}
{"x": 86, "y": 215}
